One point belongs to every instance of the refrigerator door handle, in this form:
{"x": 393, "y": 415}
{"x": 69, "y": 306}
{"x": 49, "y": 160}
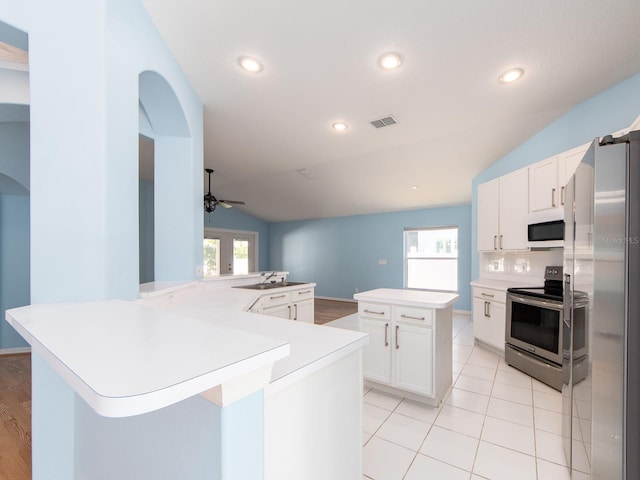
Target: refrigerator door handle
{"x": 568, "y": 300}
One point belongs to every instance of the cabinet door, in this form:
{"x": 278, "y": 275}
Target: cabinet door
{"x": 488, "y": 215}
{"x": 489, "y": 322}
{"x": 481, "y": 329}
{"x": 377, "y": 353}
{"x": 514, "y": 205}
{"x": 281, "y": 311}
{"x": 543, "y": 185}
{"x": 567, "y": 166}
{"x": 413, "y": 350}
{"x": 303, "y": 311}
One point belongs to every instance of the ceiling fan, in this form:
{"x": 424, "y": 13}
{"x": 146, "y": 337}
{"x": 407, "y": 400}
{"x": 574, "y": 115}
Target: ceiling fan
{"x": 211, "y": 202}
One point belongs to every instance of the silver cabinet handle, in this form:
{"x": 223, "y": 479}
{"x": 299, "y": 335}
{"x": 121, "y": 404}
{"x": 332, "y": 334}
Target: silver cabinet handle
{"x": 386, "y": 334}
{"x": 289, "y": 307}
{"x": 487, "y": 295}
{"x": 500, "y": 242}
{"x": 397, "y": 346}
{"x": 486, "y": 309}
{"x": 553, "y": 197}
{"x": 306, "y": 291}
{"x": 495, "y": 239}
{"x": 295, "y": 312}
{"x": 277, "y": 296}
{"x": 489, "y": 309}
{"x": 410, "y": 317}
{"x": 562, "y": 196}
{"x": 371, "y": 311}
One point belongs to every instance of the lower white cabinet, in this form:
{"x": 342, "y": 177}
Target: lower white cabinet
{"x": 489, "y": 316}
{"x": 409, "y": 349}
{"x": 290, "y": 304}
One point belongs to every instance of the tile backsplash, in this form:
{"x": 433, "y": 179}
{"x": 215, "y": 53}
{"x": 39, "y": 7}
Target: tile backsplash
{"x": 527, "y": 267}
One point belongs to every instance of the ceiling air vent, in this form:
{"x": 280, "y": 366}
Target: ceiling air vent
{"x": 384, "y": 122}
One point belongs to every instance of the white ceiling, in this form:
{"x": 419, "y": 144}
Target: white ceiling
{"x": 455, "y": 118}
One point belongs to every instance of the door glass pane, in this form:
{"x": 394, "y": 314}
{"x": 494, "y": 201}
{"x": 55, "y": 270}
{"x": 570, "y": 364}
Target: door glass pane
{"x": 240, "y": 256}
{"x": 211, "y": 257}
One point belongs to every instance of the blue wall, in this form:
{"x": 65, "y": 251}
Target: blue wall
{"x": 605, "y": 113}
{"x": 341, "y": 254}
{"x": 146, "y": 235}
{"x": 14, "y": 224}
{"x": 14, "y": 263}
{"x": 234, "y": 219}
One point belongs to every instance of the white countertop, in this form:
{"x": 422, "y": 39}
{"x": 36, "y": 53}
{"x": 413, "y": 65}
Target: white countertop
{"x": 413, "y": 298}
{"x": 504, "y": 284}
{"x": 124, "y": 358}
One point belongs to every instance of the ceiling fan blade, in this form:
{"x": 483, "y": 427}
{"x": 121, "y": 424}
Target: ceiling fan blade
{"x": 232, "y": 202}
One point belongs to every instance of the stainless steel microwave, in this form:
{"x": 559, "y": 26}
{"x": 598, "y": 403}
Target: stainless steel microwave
{"x": 546, "y": 234}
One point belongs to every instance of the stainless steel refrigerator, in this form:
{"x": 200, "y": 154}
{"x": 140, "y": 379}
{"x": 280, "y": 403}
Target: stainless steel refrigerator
{"x": 601, "y": 413}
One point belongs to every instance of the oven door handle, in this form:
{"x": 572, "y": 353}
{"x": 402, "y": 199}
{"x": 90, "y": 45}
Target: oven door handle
{"x": 536, "y": 302}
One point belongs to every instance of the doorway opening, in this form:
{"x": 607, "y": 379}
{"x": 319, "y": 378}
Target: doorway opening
{"x": 229, "y": 252}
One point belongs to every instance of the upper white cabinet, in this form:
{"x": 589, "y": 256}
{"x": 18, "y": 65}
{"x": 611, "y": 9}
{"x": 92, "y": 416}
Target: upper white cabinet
{"x": 502, "y": 212}
{"x": 548, "y": 178}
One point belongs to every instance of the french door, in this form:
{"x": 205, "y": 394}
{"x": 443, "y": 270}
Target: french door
{"x": 229, "y": 252}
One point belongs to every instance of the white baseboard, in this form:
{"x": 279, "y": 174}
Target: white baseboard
{"x": 337, "y": 299}
{"x": 462, "y": 312}
{"x": 14, "y": 351}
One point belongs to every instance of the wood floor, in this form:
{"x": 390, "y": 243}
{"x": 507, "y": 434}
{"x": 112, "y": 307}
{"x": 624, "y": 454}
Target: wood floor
{"x": 15, "y": 417}
{"x": 15, "y": 399}
{"x": 327, "y": 310}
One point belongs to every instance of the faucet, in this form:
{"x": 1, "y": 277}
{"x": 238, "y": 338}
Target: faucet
{"x": 271, "y": 275}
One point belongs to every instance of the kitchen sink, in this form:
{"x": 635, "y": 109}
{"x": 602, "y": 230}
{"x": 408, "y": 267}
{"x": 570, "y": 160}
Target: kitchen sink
{"x": 269, "y": 286}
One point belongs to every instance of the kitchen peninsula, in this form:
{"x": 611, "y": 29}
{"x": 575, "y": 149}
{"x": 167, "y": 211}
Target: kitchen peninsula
{"x": 197, "y": 385}
{"x": 410, "y": 349}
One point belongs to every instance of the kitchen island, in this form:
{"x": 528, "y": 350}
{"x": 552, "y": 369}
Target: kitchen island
{"x": 196, "y": 386}
{"x": 410, "y": 349}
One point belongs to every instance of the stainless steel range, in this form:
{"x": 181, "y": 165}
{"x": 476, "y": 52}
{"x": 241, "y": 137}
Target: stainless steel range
{"x": 534, "y": 333}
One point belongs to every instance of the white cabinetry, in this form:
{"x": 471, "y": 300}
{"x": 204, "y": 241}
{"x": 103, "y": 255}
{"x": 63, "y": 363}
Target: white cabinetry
{"x": 289, "y": 304}
{"x": 502, "y": 213}
{"x": 489, "y": 316}
{"x": 547, "y": 181}
{"x": 409, "y": 349}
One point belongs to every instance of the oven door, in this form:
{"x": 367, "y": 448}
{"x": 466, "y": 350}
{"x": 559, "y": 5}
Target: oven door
{"x": 535, "y": 326}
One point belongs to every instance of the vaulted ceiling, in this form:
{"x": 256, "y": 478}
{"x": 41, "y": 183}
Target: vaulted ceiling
{"x": 320, "y": 66}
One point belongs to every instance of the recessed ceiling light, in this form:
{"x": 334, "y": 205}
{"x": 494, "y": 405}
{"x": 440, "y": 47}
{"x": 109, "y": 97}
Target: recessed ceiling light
{"x": 389, "y": 61}
{"x": 250, "y": 64}
{"x": 339, "y": 126}
{"x": 511, "y": 75}
{"x": 414, "y": 187}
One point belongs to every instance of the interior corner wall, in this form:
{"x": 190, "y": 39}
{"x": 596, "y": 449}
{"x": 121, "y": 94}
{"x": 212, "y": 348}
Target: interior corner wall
{"x": 342, "y": 254}
{"x": 234, "y": 219}
{"x": 14, "y": 263}
{"x": 609, "y": 111}
{"x": 84, "y": 144}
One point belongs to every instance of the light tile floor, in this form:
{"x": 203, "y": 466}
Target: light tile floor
{"x": 496, "y": 423}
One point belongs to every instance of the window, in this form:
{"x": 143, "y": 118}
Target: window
{"x": 431, "y": 258}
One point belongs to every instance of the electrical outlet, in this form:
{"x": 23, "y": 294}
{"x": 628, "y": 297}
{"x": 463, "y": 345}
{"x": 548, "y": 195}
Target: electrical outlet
{"x": 382, "y": 262}
{"x": 357, "y": 290}
{"x": 199, "y": 271}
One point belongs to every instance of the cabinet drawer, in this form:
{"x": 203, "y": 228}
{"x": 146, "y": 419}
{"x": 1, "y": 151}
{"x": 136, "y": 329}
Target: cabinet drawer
{"x": 490, "y": 294}
{"x": 304, "y": 294}
{"x": 380, "y": 311}
{"x": 421, "y": 316}
{"x": 275, "y": 298}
